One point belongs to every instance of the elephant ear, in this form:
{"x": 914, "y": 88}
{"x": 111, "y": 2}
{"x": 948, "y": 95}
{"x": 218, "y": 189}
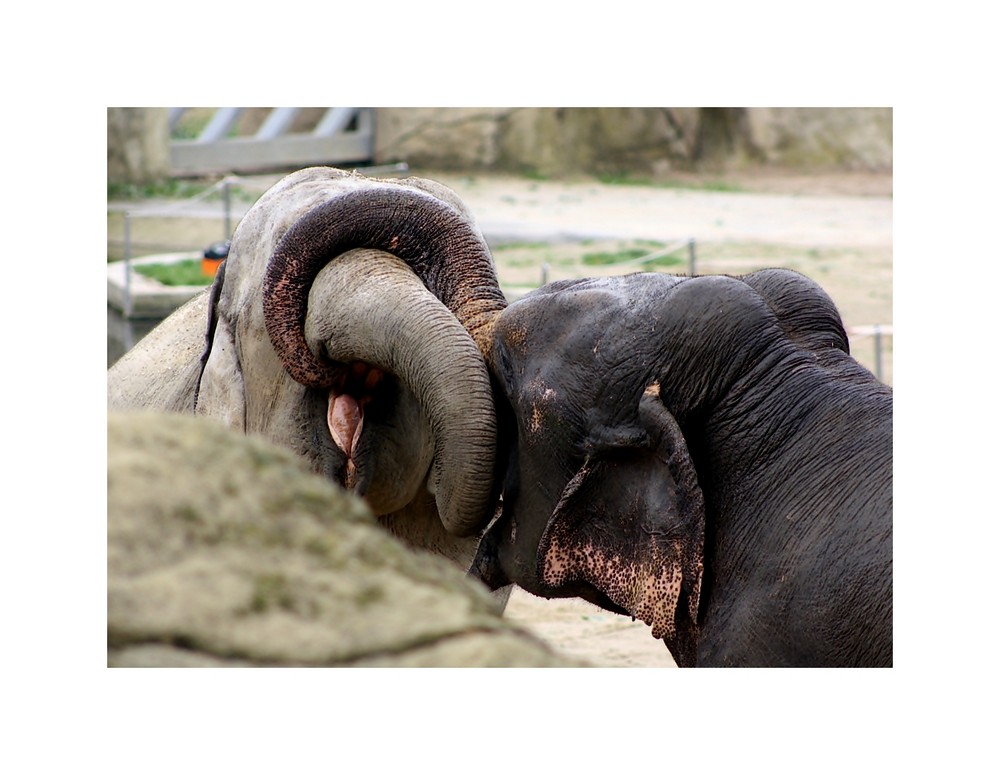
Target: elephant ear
{"x": 631, "y": 523}
{"x": 220, "y": 391}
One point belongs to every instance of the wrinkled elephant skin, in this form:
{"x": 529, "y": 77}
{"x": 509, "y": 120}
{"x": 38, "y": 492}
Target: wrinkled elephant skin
{"x": 341, "y": 327}
{"x": 702, "y": 454}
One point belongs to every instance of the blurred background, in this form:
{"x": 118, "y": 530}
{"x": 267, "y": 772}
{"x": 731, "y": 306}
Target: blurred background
{"x": 146, "y": 145}
{"x": 558, "y": 192}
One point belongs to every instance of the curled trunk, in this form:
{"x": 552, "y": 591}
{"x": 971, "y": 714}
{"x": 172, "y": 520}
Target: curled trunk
{"x": 437, "y": 241}
{"x": 382, "y": 315}
{"x": 434, "y": 341}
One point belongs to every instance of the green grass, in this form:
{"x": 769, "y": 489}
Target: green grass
{"x": 176, "y": 188}
{"x": 519, "y": 246}
{"x": 171, "y": 188}
{"x": 698, "y": 185}
{"x": 187, "y": 272}
{"x": 616, "y": 257}
{"x": 641, "y": 248}
{"x": 589, "y": 252}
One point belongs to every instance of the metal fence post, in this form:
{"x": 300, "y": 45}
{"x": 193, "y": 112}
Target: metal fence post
{"x": 227, "y": 207}
{"x": 128, "y": 264}
{"x": 691, "y": 257}
{"x": 878, "y": 351}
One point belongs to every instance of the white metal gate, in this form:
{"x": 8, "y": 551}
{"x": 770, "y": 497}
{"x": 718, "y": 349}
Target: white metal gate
{"x": 339, "y": 136}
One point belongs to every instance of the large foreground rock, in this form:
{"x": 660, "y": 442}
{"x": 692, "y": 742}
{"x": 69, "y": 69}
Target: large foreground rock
{"x": 225, "y": 550}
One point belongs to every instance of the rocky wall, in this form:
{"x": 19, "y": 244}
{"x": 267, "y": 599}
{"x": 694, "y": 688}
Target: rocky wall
{"x": 138, "y": 145}
{"x": 638, "y": 141}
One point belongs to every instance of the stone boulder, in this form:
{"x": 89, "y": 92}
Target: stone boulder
{"x": 224, "y": 550}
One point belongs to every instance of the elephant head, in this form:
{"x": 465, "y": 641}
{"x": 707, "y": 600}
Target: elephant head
{"x": 600, "y": 500}
{"x": 394, "y": 400}
{"x": 702, "y": 454}
{"x": 345, "y": 328}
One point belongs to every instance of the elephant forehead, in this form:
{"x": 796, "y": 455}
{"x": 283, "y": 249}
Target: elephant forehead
{"x": 581, "y": 342}
{"x": 578, "y": 312}
{"x": 553, "y": 324}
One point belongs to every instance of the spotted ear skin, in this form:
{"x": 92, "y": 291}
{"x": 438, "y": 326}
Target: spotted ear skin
{"x": 631, "y": 523}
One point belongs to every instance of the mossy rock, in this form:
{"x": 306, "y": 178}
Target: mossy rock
{"x": 226, "y": 550}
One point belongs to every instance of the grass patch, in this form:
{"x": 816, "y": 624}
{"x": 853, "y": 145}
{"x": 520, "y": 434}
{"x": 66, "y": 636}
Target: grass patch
{"x": 706, "y": 185}
{"x": 171, "y": 188}
{"x": 697, "y": 185}
{"x": 177, "y": 188}
{"x": 639, "y": 249}
{"x": 614, "y": 257}
{"x": 187, "y": 272}
{"x": 520, "y": 246}
{"x": 533, "y": 173}
{"x": 618, "y": 179}
{"x": 515, "y": 259}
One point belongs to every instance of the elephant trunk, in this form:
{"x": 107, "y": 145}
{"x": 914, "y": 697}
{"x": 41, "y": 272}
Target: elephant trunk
{"x": 375, "y": 310}
{"x": 439, "y": 243}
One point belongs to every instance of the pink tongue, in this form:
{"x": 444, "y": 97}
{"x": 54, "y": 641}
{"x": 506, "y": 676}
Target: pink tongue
{"x": 344, "y": 418}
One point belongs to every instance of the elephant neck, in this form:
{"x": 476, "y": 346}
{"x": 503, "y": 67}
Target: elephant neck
{"x": 784, "y": 422}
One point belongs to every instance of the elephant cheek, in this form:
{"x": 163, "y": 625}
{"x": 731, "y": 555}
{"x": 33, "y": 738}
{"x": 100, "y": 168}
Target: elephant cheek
{"x": 649, "y": 589}
{"x": 624, "y": 528}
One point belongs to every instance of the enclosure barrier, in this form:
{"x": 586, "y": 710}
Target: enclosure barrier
{"x": 339, "y": 136}
{"x": 185, "y": 208}
{"x": 225, "y": 185}
{"x": 878, "y": 331}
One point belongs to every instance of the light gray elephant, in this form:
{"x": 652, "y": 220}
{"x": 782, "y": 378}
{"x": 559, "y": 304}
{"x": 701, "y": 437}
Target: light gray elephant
{"x": 348, "y": 324}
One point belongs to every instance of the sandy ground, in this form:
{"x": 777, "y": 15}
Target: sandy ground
{"x": 836, "y": 228}
{"x": 585, "y": 632}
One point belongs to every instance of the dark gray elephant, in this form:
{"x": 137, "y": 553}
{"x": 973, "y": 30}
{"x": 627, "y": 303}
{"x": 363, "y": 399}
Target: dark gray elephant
{"x": 342, "y": 326}
{"x": 702, "y": 454}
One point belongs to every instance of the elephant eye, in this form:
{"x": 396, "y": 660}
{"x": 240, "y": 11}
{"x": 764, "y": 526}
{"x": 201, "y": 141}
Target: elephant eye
{"x": 618, "y": 441}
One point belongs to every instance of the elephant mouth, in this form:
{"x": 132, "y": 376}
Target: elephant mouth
{"x": 354, "y": 388}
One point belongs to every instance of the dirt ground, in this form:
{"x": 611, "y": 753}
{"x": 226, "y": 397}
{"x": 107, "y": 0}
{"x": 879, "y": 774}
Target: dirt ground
{"x": 833, "y": 227}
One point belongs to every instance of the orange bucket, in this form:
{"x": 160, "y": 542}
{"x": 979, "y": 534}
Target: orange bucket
{"x": 209, "y": 266}
{"x": 214, "y": 255}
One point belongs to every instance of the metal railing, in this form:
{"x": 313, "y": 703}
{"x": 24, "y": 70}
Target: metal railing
{"x": 339, "y": 135}
{"x": 193, "y": 207}
{"x": 878, "y": 330}
{"x": 185, "y": 208}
